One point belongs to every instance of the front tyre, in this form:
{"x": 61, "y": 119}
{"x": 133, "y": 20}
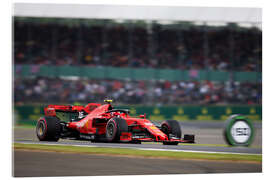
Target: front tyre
{"x": 171, "y": 128}
{"x": 48, "y": 128}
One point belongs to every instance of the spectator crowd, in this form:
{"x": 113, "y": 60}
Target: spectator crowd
{"x": 136, "y": 46}
{"x": 118, "y": 45}
{"x": 56, "y": 90}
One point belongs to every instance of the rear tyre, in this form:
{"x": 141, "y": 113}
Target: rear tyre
{"x": 48, "y": 128}
{"x": 114, "y": 129}
{"x": 171, "y": 127}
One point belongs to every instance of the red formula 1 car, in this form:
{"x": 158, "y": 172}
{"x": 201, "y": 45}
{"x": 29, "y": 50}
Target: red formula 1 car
{"x": 103, "y": 123}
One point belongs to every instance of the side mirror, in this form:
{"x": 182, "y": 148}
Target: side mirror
{"x": 49, "y": 111}
{"x": 142, "y": 116}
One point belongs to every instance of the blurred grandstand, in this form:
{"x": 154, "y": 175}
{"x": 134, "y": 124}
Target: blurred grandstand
{"x": 137, "y": 44}
{"x": 108, "y": 43}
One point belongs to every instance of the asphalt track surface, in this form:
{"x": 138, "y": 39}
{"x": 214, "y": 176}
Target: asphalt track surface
{"x": 40, "y": 164}
{"x": 27, "y": 164}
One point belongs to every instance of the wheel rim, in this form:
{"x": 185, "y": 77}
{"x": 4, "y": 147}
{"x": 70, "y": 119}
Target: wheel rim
{"x": 110, "y": 130}
{"x": 41, "y": 129}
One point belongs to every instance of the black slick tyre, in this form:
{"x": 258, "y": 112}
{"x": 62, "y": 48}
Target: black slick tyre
{"x": 48, "y": 128}
{"x": 171, "y": 127}
{"x": 114, "y": 129}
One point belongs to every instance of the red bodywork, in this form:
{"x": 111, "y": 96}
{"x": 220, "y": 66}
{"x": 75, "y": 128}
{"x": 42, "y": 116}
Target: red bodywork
{"x": 97, "y": 116}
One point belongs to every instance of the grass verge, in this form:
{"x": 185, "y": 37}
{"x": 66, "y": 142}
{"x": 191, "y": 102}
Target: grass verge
{"x": 141, "y": 153}
{"x": 24, "y": 126}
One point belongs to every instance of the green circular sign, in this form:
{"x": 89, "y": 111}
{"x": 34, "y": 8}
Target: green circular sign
{"x": 239, "y": 131}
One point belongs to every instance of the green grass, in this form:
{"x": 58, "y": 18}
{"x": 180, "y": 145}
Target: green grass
{"x": 141, "y": 153}
{"x": 27, "y": 126}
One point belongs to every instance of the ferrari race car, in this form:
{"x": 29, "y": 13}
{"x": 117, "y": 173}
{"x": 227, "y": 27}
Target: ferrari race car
{"x": 103, "y": 123}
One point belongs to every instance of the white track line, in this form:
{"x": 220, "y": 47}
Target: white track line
{"x": 145, "y": 149}
{"x": 207, "y": 152}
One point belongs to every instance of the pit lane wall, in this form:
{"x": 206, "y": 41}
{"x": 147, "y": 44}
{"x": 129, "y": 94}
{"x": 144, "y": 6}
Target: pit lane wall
{"x": 29, "y": 114}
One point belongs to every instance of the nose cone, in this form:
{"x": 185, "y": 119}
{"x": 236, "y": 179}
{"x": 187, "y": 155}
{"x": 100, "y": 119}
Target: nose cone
{"x": 157, "y": 132}
{"x": 162, "y": 136}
